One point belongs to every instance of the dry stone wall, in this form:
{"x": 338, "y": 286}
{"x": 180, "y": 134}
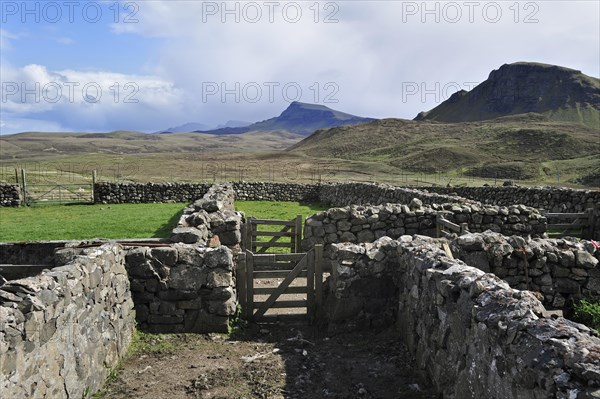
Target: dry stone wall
{"x": 115, "y": 193}
{"x": 182, "y": 288}
{"x": 10, "y": 195}
{"x": 62, "y": 331}
{"x": 342, "y": 194}
{"x": 558, "y": 270}
{"x": 473, "y": 334}
{"x": 276, "y": 191}
{"x": 122, "y": 193}
{"x": 212, "y": 215}
{"x": 358, "y": 224}
{"x": 550, "y": 199}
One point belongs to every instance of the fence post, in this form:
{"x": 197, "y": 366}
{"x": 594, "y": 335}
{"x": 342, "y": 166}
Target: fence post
{"x": 250, "y": 286}
{"x": 310, "y": 285}
{"x": 24, "y": 186}
{"x": 298, "y": 234}
{"x": 241, "y": 281}
{"x": 16, "y": 176}
{"x": 94, "y": 177}
{"x": 589, "y": 232}
{"x": 438, "y": 225}
{"x": 318, "y": 279}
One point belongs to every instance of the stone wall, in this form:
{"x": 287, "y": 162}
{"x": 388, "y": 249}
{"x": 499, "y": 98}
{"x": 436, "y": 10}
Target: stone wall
{"x": 182, "y": 288}
{"x": 558, "y": 270}
{"x": 212, "y": 215}
{"x": 10, "y": 195}
{"x": 550, "y": 199}
{"x": 31, "y": 252}
{"x": 256, "y": 191}
{"x": 357, "y": 224}
{"x": 474, "y": 335}
{"x": 122, "y": 193}
{"x": 342, "y": 194}
{"x": 62, "y": 331}
{"x": 115, "y": 193}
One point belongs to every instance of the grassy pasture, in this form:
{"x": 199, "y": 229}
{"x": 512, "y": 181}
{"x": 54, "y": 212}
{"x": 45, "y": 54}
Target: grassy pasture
{"x": 72, "y": 222}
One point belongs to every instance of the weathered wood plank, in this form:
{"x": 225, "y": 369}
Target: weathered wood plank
{"x": 241, "y": 280}
{"x": 265, "y": 244}
{"x": 310, "y": 284}
{"x": 269, "y": 258}
{"x": 298, "y": 232}
{"x": 250, "y": 284}
{"x": 318, "y": 278}
{"x": 268, "y": 274}
{"x": 296, "y": 289}
{"x": 565, "y": 215}
{"x": 283, "y": 304}
{"x": 273, "y": 222}
{"x": 273, "y": 234}
{"x": 272, "y": 318}
{"x": 274, "y": 266}
{"x": 566, "y": 226}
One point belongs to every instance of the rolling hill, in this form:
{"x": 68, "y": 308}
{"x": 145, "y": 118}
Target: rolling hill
{"x": 524, "y": 147}
{"x": 560, "y": 93}
{"x": 527, "y": 121}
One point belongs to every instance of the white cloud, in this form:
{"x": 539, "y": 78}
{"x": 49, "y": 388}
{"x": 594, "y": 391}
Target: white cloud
{"x": 86, "y": 100}
{"x": 374, "y": 50}
{"x": 364, "y": 61}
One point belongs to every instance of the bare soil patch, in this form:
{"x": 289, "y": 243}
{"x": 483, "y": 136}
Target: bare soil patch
{"x": 271, "y": 361}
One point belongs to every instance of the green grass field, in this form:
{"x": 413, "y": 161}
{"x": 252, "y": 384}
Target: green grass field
{"x": 72, "y": 222}
{"x": 277, "y": 210}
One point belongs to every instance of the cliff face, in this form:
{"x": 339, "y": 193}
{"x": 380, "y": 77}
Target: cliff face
{"x": 556, "y": 92}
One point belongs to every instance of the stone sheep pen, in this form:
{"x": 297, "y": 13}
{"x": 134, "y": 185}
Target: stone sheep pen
{"x": 478, "y": 311}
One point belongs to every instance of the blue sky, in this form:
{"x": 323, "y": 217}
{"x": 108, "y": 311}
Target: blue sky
{"x": 149, "y": 65}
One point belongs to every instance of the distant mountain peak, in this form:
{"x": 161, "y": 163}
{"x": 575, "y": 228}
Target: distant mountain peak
{"x": 558, "y": 92}
{"x": 298, "y": 117}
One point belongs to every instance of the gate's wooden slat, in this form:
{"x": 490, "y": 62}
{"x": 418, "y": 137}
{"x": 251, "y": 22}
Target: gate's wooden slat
{"x": 284, "y": 304}
{"x": 277, "y": 266}
{"x": 260, "y": 259}
{"x": 296, "y": 289}
{"x": 318, "y": 277}
{"x": 250, "y": 281}
{"x": 272, "y": 318}
{"x": 567, "y": 226}
{"x": 276, "y": 274}
{"x": 273, "y": 234}
{"x": 241, "y": 281}
{"x": 284, "y": 284}
{"x": 310, "y": 284}
{"x": 271, "y": 244}
{"x": 565, "y": 215}
{"x": 298, "y": 231}
{"x": 273, "y": 222}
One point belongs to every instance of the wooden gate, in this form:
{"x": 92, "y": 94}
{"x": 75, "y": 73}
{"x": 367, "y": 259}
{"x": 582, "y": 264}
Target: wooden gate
{"x": 444, "y": 227}
{"x": 572, "y": 224}
{"x": 302, "y": 274}
{"x": 276, "y": 238}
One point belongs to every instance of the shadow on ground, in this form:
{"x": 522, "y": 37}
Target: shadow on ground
{"x": 270, "y": 361}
